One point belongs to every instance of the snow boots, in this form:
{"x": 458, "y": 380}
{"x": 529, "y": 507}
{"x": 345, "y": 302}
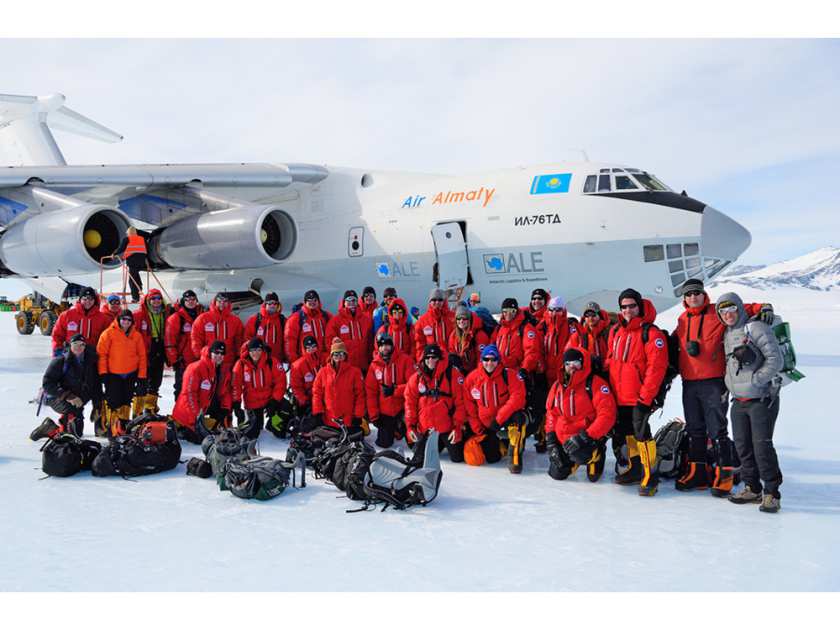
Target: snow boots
{"x": 695, "y": 477}
{"x": 745, "y": 495}
{"x": 724, "y": 471}
{"x": 770, "y": 504}
{"x": 516, "y": 438}
{"x": 67, "y": 423}
{"x": 147, "y": 402}
{"x": 47, "y": 429}
{"x": 114, "y": 420}
{"x": 650, "y": 479}
{"x": 595, "y": 467}
{"x": 634, "y": 473}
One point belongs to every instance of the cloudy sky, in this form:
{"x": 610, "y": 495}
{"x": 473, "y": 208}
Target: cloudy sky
{"x": 748, "y": 126}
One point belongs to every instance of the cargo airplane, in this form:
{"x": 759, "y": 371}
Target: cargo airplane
{"x": 582, "y": 230}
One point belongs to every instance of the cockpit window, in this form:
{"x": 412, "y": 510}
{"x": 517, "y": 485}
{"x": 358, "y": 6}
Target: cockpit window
{"x": 622, "y": 182}
{"x": 589, "y": 186}
{"x": 603, "y": 183}
{"x": 650, "y": 182}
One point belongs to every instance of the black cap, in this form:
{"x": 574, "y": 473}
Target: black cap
{"x": 572, "y": 354}
{"x": 432, "y": 350}
{"x": 255, "y": 344}
{"x": 389, "y": 292}
{"x": 309, "y": 342}
{"x": 189, "y": 293}
{"x": 77, "y": 337}
{"x": 633, "y": 295}
{"x": 217, "y": 346}
{"x": 510, "y": 303}
{"x": 540, "y": 293}
{"x": 88, "y": 292}
{"x": 125, "y": 313}
{"x": 312, "y": 294}
{"x": 271, "y": 297}
{"x": 384, "y": 339}
{"x": 367, "y": 290}
{"x": 692, "y": 284}
{"x": 350, "y": 293}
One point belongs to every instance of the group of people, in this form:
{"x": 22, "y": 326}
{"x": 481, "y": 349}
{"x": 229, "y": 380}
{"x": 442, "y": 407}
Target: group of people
{"x": 483, "y": 386}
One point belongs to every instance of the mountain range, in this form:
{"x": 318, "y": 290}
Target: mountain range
{"x": 818, "y": 270}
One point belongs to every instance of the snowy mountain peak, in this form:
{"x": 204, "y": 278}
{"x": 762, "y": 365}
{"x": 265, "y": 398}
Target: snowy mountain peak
{"x": 818, "y": 270}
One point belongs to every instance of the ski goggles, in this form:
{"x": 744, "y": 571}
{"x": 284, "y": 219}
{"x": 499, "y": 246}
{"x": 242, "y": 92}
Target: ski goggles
{"x": 723, "y": 310}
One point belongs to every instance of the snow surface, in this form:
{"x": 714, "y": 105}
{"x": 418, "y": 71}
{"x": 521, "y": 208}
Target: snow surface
{"x": 487, "y": 531}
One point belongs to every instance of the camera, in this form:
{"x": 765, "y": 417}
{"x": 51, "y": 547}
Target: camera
{"x": 692, "y": 347}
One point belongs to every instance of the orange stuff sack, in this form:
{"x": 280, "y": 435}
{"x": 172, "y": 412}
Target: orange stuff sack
{"x": 473, "y": 454}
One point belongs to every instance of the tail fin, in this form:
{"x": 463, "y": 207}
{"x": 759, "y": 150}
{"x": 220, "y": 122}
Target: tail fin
{"x": 25, "y": 129}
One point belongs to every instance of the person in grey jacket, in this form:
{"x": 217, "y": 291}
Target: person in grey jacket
{"x": 753, "y": 362}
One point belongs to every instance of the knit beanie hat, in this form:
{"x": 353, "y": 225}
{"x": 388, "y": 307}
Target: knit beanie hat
{"x": 338, "y": 346}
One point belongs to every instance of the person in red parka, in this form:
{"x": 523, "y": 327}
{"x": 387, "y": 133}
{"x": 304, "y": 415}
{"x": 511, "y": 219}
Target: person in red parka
{"x": 538, "y": 306}
{"x": 580, "y": 411}
{"x": 177, "y": 336}
{"x": 269, "y": 326}
{"x": 112, "y": 306}
{"x": 517, "y": 339}
{"x": 494, "y": 399}
{"x": 204, "y": 404}
{"x": 385, "y": 390}
{"x": 259, "y": 384}
{"x": 591, "y": 334}
{"x": 434, "y": 326}
{"x": 150, "y": 320}
{"x": 637, "y": 359}
{"x": 302, "y": 376}
{"x": 398, "y": 328}
{"x": 84, "y": 318}
{"x": 310, "y": 319}
{"x": 338, "y": 393}
{"x": 353, "y": 327}
{"x": 368, "y": 303}
{"x": 556, "y": 331}
{"x": 218, "y": 323}
{"x": 434, "y": 401}
{"x": 702, "y": 365}
{"x": 468, "y": 339}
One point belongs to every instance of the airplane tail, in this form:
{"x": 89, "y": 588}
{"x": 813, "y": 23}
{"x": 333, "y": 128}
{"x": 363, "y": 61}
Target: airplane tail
{"x": 26, "y": 124}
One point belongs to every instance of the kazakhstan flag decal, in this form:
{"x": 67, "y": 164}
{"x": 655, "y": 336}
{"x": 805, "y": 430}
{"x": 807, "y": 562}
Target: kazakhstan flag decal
{"x": 547, "y": 184}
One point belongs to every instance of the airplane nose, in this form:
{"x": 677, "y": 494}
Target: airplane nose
{"x": 723, "y": 240}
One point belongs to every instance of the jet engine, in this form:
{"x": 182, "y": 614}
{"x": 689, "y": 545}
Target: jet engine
{"x": 64, "y": 242}
{"x": 241, "y": 237}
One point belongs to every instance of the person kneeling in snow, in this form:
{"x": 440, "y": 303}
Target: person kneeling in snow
{"x": 580, "y": 411}
{"x": 494, "y": 398}
{"x": 204, "y": 403}
{"x": 338, "y": 393}
{"x": 259, "y": 382}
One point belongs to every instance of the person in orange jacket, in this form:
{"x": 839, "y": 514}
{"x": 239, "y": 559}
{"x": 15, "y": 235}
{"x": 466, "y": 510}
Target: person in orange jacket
{"x": 702, "y": 365}
{"x": 494, "y": 399}
{"x": 637, "y": 360}
{"x": 204, "y": 404}
{"x": 177, "y": 336}
{"x": 310, "y": 319}
{"x": 112, "y": 306}
{"x": 591, "y": 334}
{"x": 338, "y": 393}
{"x": 434, "y": 401}
{"x": 353, "y": 327}
{"x": 218, "y": 323}
{"x": 150, "y": 321}
{"x": 468, "y": 339}
{"x": 398, "y": 327}
{"x": 259, "y": 384}
{"x": 83, "y": 318}
{"x": 269, "y": 326}
{"x": 580, "y": 411}
{"x": 434, "y": 326}
{"x": 385, "y": 390}
{"x": 122, "y": 367}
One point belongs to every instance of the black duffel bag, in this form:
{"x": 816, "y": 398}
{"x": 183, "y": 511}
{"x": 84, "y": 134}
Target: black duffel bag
{"x": 65, "y": 455}
{"x": 141, "y": 452}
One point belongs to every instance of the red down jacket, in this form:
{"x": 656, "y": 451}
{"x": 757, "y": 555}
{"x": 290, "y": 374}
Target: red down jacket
{"x": 222, "y": 325}
{"x": 443, "y": 412}
{"x": 177, "y": 336}
{"x": 487, "y": 397}
{"x": 254, "y": 384}
{"x": 91, "y": 323}
{"x": 339, "y": 394}
{"x": 519, "y": 344}
{"x": 200, "y": 384}
{"x": 268, "y": 328}
{"x": 354, "y": 329}
{"x": 434, "y": 326}
{"x": 395, "y": 372}
{"x": 556, "y": 330}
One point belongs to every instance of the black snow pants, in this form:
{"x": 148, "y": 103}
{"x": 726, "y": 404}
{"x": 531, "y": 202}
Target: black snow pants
{"x": 753, "y": 422}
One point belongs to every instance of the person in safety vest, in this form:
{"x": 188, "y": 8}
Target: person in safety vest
{"x": 133, "y": 250}
{"x": 310, "y": 319}
{"x": 269, "y": 326}
{"x": 637, "y": 360}
{"x": 494, "y": 400}
{"x": 398, "y": 328}
{"x": 434, "y": 401}
{"x": 580, "y": 411}
{"x": 385, "y": 390}
{"x": 218, "y": 323}
{"x": 84, "y": 318}
{"x": 434, "y": 326}
{"x": 204, "y": 405}
{"x": 112, "y": 306}
{"x": 122, "y": 367}
{"x": 259, "y": 383}
{"x": 467, "y": 339}
{"x": 150, "y": 320}
{"x": 338, "y": 394}
{"x": 353, "y": 327}
{"x": 178, "y": 336}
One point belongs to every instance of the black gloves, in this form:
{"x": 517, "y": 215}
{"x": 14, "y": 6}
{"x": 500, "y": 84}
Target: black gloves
{"x": 388, "y": 390}
{"x": 493, "y": 427}
{"x": 271, "y": 408}
{"x": 579, "y": 447}
{"x": 240, "y": 415}
{"x": 766, "y": 314}
{"x": 356, "y": 422}
{"x": 140, "y": 387}
{"x": 551, "y": 439}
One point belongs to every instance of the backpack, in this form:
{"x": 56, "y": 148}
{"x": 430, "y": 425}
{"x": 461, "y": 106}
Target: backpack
{"x": 261, "y": 478}
{"x": 150, "y": 446}
{"x": 671, "y": 449}
{"x": 65, "y": 455}
{"x": 400, "y": 483}
{"x": 313, "y": 443}
{"x": 355, "y": 470}
{"x": 781, "y": 330}
{"x": 230, "y": 444}
{"x": 328, "y": 463}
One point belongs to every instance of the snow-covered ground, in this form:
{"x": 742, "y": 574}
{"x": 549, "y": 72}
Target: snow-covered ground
{"x": 487, "y": 531}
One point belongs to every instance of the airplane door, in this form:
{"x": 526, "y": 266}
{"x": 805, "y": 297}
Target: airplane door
{"x": 451, "y": 253}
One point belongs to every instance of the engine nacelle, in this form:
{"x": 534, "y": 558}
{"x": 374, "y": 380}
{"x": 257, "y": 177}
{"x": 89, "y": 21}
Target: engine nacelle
{"x": 234, "y": 238}
{"x": 65, "y": 241}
